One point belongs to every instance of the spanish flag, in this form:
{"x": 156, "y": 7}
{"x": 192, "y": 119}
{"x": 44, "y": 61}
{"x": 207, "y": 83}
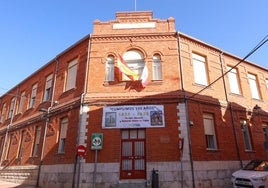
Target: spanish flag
{"x": 124, "y": 68}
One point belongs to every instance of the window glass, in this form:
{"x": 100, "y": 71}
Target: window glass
{"x": 12, "y": 107}
{"x": 135, "y": 61}
{"x": 48, "y": 88}
{"x": 3, "y": 113}
{"x": 109, "y": 76}
{"x": 209, "y": 127}
{"x": 36, "y": 141}
{"x": 157, "y": 67}
{"x": 22, "y": 101}
{"x": 63, "y": 135}
{"x": 246, "y": 135}
{"x": 71, "y": 75}
{"x": 22, "y": 143}
{"x": 265, "y": 131}
{"x": 254, "y": 86}
{"x": 233, "y": 80}
{"x": 200, "y": 69}
{"x": 33, "y": 96}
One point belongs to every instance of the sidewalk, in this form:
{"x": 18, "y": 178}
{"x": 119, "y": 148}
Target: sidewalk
{"x": 14, "y": 185}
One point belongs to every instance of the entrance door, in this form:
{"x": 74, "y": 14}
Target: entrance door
{"x": 133, "y": 154}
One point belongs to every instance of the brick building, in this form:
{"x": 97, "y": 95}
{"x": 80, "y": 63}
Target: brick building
{"x": 160, "y": 112}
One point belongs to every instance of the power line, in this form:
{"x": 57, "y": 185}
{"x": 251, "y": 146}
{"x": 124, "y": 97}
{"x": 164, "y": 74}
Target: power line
{"x": 260, "y": 44}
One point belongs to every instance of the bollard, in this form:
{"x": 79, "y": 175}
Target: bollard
{"x": 155, "y": 181}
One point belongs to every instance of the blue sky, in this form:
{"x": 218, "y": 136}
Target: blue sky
{"x": 33, "y": 32}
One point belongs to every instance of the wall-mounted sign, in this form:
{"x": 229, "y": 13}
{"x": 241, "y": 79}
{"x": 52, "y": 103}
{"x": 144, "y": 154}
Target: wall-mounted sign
{"x": 139, "y": 116}
{"x": 96, "y": 141}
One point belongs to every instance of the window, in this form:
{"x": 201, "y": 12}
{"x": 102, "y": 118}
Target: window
{"x": 109, "y": 76}
{"x": 2, "y": 143}
{"x": 11, "y": 137}
{"x": 63, "y": 134}
{"x": 71, "y": 75}
{"x": 246, "y": 135}
{"x": 22, "y": 101}
{"x": 265, "y": 131}
{"x": 135, "y": 62}
{"x": 33, "y": 96}
{"x": 3, "y": 113}
{"x": 254, "y": 86}
{"x": 200, "y": 69}
{"x": 209, "y": 131}
{"x": 12, "y": 107}
{"x": 266, "y": 81}
{"x": 233, "y": 80}
{"x": 47, "y": 92}
{"x": 36, "y": 140}
{"x": 22, "y": 143}
{"x": 157, "y": 67}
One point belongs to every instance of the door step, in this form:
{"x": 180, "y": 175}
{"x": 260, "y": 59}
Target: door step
{"x": 139, "y": 183}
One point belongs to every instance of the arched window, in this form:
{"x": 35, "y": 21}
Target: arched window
{"x": 109, "y": 75}
{"x": 157, "y": 67}
{"x": 135, "y": 61}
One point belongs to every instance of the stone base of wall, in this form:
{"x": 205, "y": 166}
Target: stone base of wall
{"x": 19, "y": 174}
{"x": 207, "y": 174}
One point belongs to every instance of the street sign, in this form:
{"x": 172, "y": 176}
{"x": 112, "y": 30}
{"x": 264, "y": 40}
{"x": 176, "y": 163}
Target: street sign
{"x": 81, "y": 150}
{"x": 96, "y": 141}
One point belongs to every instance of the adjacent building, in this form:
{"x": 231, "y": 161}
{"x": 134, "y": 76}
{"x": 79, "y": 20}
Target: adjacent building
{"x": 133, "y": 103}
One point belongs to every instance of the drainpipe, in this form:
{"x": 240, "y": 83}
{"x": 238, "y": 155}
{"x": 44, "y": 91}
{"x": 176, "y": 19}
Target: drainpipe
{"x": 186, "y": 113}
{"x": 231, "y": 112}
{"x": 78, "y": 158}
{"x": 47, "y": 112}
{"x": 8, "y": 126}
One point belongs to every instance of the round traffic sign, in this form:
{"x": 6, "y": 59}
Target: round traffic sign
{"x": 81, "y": 150}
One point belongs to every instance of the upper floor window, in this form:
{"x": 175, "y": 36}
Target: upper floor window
{"x": 33, "y": 96}
{"x": 210, "y": 134}
{"x": 22, "y": 102}
{"x": 12, "y": 107}
{"x": 253, "y": 83}
{"x": 246, "y": 135}
{"x": 157, "y": 67}
{"x": 233, "y": 80}
{"x": 63, "y": 135}
{"x": 200, "y": 69}
{"x": 71, "y": 75}
{"x": 3, "y": 113}
{"x": 266, "y": 83}
{"x": 109, "y": 74}
{"x": 48, "y": 88}
{"x": 135, "y": 62}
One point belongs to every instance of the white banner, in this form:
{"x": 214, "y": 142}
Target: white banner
{"x": 139, "y": 116}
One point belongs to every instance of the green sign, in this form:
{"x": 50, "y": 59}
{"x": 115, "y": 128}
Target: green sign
{"x": 96, "y": 141}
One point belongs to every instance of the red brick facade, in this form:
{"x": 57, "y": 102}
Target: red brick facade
{"x": 92, "y": 92}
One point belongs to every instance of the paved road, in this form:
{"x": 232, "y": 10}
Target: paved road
{"x": 14, "y": 185}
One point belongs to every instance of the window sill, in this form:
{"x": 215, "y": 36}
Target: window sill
{"x": 212, "y": 150}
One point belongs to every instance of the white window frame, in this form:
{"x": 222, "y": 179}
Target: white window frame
{"x": 246, "y": 135}
{"x": 200, "y": 69}
{"x": 33, "y": 96}
{"x": 254, "y": 87}
{"x": 48, "y": 88}
{"x": 135, "y": 61}
{"x": 109, "y": 73}
{"x": 210, "y": 134}
{"x": 234, "y": 80}
{"x": 63, "y": 135}
{"x": 22, "y": 102}
{"x": 71, "y": 75}
{"x": 157, "y": 67}
{"x": 36, "y": 141}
